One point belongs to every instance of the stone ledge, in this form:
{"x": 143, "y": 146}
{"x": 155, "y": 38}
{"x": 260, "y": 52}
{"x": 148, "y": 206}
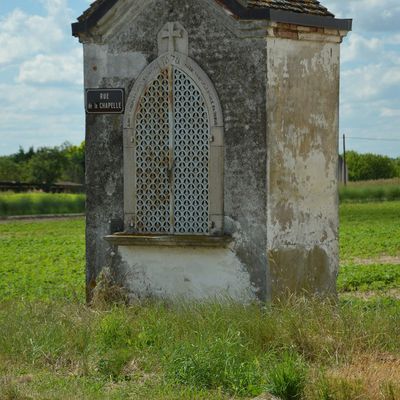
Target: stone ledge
{"x": 126, "y": 239}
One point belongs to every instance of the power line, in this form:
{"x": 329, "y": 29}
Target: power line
{"x": 372, "y": 139}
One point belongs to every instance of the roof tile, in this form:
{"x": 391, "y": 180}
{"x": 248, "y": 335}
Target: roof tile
{"x": 313, "y": 7}
{"x": 93, "y": 7}
{"x": 301, "y": 6}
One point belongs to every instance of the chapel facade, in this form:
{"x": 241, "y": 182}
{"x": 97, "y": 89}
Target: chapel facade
{"x": 214, "y": 172}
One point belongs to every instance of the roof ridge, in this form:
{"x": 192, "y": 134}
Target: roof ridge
{"x": 302, "y": 12}
{"x": 313, "y": 7}
{"x": 302, "y": 6}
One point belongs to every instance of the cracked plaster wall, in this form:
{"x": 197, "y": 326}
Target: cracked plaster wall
{"x": 302, "y": 101}
{"x": 239, "y": 75}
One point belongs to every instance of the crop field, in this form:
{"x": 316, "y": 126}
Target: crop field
{"x": 37, "y": 203}
{"x": 366, "y": 191}
{"x": 40, "y": 203}
{"x": 54, "y": 347}
{"x": 42, "y": 260}
{"x": 370, "y": 246}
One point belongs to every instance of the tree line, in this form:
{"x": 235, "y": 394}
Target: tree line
{"x": 48, "y": 165}
{"x": 45, "y": 165}
{"x": 368, "y": 166}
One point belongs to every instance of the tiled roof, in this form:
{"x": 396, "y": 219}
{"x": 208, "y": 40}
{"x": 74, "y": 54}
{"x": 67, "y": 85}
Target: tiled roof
{"x": 93, "y": 7}
{"x": 300, "y": 12}
{"x": 313, "y": 7}
{"x": 300, "y": 6}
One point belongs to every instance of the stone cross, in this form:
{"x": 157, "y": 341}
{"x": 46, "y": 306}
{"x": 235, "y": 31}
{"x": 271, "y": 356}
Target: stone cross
{"x": 171, "y": 34}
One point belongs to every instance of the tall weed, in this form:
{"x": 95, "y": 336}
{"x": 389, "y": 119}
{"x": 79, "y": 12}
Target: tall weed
{"x": 287, "y": 377}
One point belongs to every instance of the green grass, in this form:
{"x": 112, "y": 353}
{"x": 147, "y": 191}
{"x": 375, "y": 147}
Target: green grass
{"x": 369, "y": 230}
{"x": 210, "y": 351}
{"x": 53, "y": 347}
{"x": 369, "y": 277}
{"x": 40, "y": 203}
{"x": 42, "y": 260}
{"x": 287, "y": 378}
{"x": 370, "y": 246}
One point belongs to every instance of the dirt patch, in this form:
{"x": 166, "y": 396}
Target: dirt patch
{"x": 373, "y": 371}
{"x": 37, "y": 218}
{"x": 377, "y": 260}
{"x": 393, "y": 293}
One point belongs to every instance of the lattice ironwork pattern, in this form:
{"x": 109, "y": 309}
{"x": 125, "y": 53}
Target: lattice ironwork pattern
{"x": 179, "y": 184}
{"x": 152, "y": 158}
{"x": 191, "y": 155}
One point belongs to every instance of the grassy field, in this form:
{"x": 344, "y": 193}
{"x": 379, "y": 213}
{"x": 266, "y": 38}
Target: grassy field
{"x": 370, "y": 246}
{"x": 42, "y": 260}
{"x": 54, "y": 347}
{"x": 37, "y": 203}
{"x": 365, "y": 191}
{"x": 40, "y": 203}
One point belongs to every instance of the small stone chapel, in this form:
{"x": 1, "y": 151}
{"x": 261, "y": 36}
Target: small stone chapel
{"x": 212, "y": 146}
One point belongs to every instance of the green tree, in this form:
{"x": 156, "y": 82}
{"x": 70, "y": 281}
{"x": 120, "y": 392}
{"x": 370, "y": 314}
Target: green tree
{"x": 74, "y": 170}
{"x": 46, "y": 166}
{"x": 10, "y": 170}
{"x": 397, "y": 166}
{"x": 369, "y": 166}
{"x": 23, "y": 156}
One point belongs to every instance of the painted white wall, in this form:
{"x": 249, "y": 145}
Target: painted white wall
{"x": 182, "y": 272}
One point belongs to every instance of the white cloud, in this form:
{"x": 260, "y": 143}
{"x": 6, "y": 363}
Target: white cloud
{"x": 370, "y": 15}
{"x": 39, "y": 130}
{"x": 390, "y": 112}
{"x": 356, "y": 46}
{"x": 22, "y": 35}
{"x": 394, "y": 39}
{"x": 45, "y": 116}
{"x": 53, "y": 68}
{"x": 359, "y": 83}
{"x": 55, "y": 7}
{"x": 28, "y": 98}
{"x": 41, "y": 68}
{"x": 370, "y": 84}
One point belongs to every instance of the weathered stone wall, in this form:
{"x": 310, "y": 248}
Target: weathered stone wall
{"x": 238, "y": 69}
{"x": 302, "y": 101}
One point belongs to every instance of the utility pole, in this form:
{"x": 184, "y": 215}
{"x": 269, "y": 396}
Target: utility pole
{"x": 344, "y": 161}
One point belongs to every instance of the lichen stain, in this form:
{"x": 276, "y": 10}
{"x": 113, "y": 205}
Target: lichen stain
{"x": 284, "y": 214}
{"x": 300, "y": 271}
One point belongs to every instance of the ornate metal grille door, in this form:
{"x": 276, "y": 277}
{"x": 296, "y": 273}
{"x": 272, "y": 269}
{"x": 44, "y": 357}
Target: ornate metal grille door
{"x": 172, "y": 157}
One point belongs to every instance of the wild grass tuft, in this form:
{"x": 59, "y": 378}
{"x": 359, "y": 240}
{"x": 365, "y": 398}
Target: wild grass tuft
{"x": 221, "y": 362}
{"x": 287, "y": 378}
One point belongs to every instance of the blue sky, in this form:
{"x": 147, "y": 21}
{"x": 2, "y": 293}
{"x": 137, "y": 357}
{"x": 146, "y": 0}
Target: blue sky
{"x": 41, "y": 74}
